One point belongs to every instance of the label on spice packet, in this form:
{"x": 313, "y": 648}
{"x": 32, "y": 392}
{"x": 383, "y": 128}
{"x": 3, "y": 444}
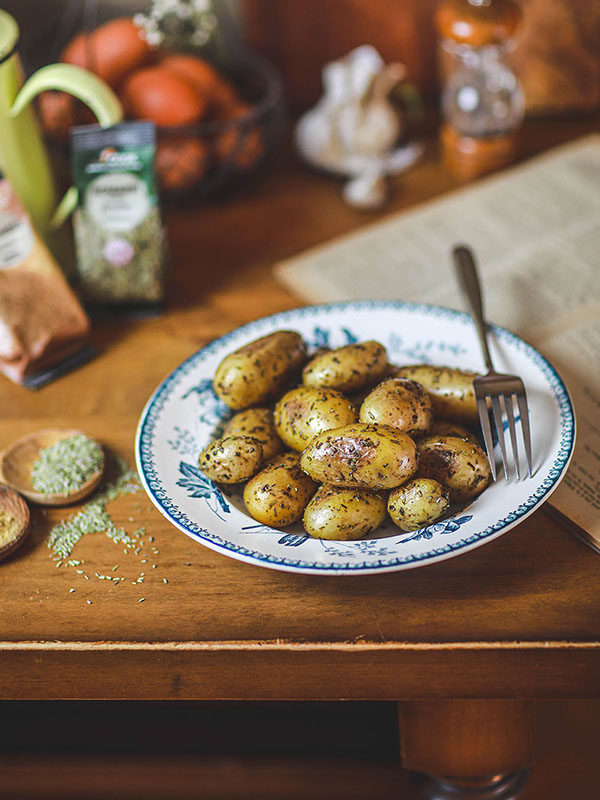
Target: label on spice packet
{"x": 16, "y": 240}
{"x": 16, "y": 235}
{"x": 118, "y": 229}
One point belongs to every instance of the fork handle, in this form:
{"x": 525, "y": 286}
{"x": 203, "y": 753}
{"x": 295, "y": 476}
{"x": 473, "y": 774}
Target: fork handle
{"x": 466, "y": 271}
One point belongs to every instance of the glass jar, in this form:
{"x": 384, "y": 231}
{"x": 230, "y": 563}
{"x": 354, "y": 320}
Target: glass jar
{"x": 482, "y": 96}
{"x": 482, "y": 100}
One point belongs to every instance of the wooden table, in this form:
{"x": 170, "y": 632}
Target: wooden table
{"x": 511, "y": 621}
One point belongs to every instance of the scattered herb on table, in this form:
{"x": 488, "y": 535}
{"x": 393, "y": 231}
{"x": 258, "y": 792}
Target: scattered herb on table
{"x": 64, "y": 467}
{"x": 93, "y": 517}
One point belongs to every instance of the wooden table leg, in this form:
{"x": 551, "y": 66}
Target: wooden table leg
{"x": 476, "y": 749}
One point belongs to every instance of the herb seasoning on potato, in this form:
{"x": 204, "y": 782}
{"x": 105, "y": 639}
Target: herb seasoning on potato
{"x": 418, "y": 503}
{"x": 278, "y": 495}
{"x": 451, "y": 390}
{"x": 305, "y": 412}
{"x": 459, "y": 464}
{"x": 401, "y": 403}
{"x": 349, "y": 368}
{"x": 362, "y": 456}
{"x": 336, "y": 512}
{"x": 231, "y": 459}
{"x": 257, "y": 371}
{"x": 447, "y": 427}
{"x": 258, "y": 424}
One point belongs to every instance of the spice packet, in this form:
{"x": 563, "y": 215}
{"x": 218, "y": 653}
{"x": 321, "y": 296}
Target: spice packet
{"x": 43, "y": 329}
{"x": 120, "y": 243}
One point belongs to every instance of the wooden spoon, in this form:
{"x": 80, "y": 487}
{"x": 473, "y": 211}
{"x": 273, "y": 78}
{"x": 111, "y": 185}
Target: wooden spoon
{"x": 18, "y": 459}
{"x": 14, "y": 505}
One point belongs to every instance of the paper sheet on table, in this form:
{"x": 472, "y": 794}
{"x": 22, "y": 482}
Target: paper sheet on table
{"x": 536, "y": 232}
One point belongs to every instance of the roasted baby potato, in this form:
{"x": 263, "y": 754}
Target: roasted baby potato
{"x": 336, "y": 512}
{"x": 231, "y": 459}
{"x": 362, "y": 456}
{"x": 257, "y": 371}
{"x": 451, "y": 390}
{"x": 401, "y": 403}
{"x": 459, "y": 464}
{"x": 418, "y": 503}
{"x": 348, "y": 368}
{"x": 257, "y": 423}
{"x": 305, "y": 412}
{"x": 278, "y": 495}
{"x": 446, "y": 427}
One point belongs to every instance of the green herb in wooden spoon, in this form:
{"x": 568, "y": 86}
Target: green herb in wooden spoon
{"x": 65, "y": 466}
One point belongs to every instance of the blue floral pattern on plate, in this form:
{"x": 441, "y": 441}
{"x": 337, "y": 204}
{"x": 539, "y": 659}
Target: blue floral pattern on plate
{"x": 198, "y": 485}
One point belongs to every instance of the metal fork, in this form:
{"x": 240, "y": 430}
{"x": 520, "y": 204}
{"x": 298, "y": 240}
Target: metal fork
{"x": 493, "y": 390}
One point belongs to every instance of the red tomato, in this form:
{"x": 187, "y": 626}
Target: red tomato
{"x": 111, "y": 51}
{"x": 159, "y": 95}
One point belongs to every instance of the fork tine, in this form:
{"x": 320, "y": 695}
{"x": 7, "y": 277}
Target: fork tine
{"x": 508, "y": 405}
{"x": 524, "y": 413}
{"x": 484, "y": 420}
{"x": 500, "y": 431}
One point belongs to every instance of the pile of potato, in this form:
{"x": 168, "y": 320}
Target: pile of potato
{"x": 357, "y": 439}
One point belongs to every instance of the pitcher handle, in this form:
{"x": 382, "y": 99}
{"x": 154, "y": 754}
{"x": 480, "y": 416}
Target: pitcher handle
{"x": 88, "y": 88}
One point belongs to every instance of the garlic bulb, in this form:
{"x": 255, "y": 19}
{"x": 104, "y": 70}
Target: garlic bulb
{"x": 371, "y": 127}
{"x": 354, "y": 127}
{"x": 318, "y": 140}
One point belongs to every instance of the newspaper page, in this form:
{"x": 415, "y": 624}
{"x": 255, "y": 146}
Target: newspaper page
{"x": 536, "y": 231}
{"x": 576, "y": 353}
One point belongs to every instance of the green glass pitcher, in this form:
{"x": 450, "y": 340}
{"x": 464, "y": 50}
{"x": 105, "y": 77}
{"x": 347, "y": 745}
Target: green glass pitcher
{"x": 23, "y": 157}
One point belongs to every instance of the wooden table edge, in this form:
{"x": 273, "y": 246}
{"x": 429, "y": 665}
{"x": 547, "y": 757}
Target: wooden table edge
{"x": 299, "y": 671}
{"x": 288, "y": 645}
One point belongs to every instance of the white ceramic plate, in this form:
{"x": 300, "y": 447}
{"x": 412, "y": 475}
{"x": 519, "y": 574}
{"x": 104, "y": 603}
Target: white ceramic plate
{"x": 183, "y": 414}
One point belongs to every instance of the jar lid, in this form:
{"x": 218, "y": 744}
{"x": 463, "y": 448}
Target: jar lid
{"x": 478, "y": 23}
